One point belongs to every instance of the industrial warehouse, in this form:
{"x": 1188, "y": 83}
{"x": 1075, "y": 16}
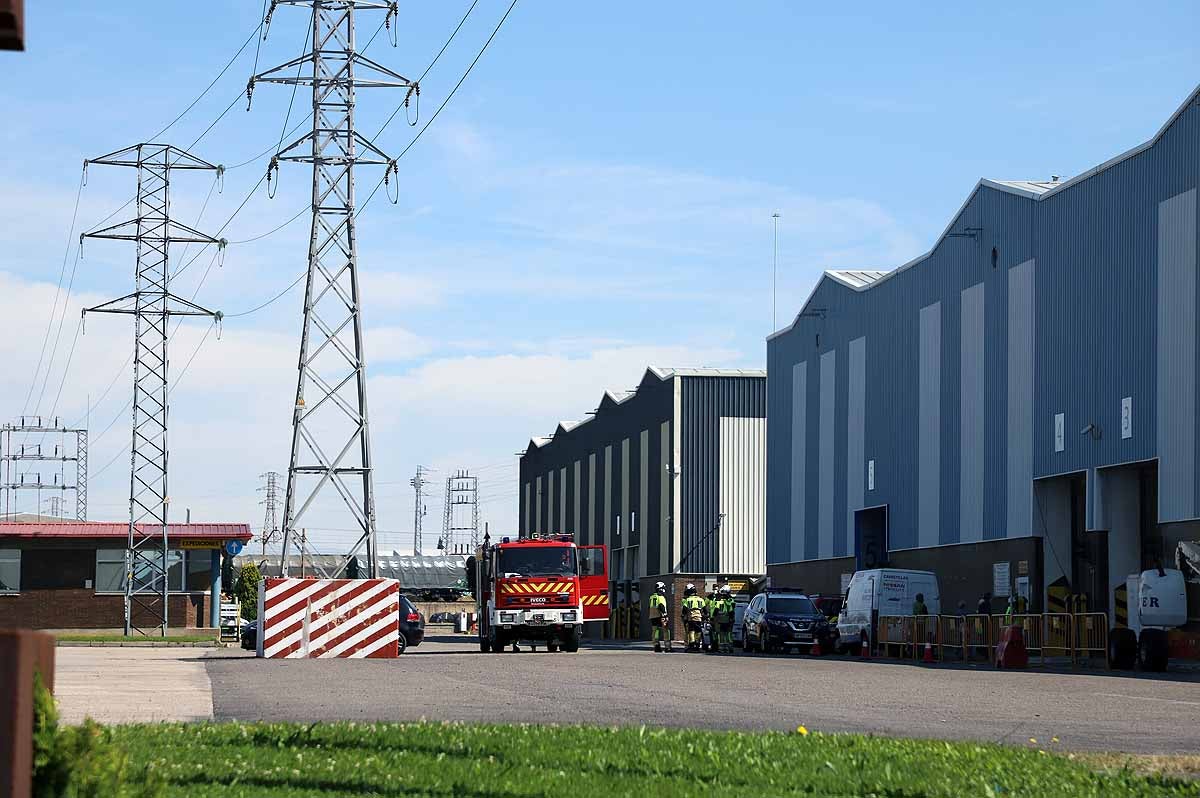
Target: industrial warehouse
{"x": 670, "y": 476}
{"x": 1014, "y": 410}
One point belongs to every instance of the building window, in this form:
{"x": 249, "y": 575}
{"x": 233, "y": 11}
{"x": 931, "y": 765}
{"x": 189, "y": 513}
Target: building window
{"x": 196, "y": 566}
{"x": 10, "y": 570}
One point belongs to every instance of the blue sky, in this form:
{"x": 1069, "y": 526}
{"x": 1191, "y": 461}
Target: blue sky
{"x": 596, "y": 198}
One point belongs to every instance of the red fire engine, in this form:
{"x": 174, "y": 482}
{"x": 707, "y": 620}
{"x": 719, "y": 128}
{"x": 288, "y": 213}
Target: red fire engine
{"x": 537, "y": 590}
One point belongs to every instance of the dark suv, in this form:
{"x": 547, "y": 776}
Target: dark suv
{"x": 778, "y": 621}
{"x": 412, "y": 624}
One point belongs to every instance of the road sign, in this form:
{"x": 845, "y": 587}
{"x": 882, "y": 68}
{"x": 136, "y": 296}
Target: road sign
{"x": 233, "y": 547}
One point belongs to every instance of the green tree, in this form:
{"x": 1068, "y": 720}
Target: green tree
{"x": 246, "y": 590}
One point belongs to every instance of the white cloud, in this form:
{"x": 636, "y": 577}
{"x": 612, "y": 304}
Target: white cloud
{"x": 388, "y": 291}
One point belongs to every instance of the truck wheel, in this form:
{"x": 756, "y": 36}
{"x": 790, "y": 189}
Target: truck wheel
{"x": 1122, "y": 649}
{"x": 571, "y": 644}
{"x": 552, "y": 647}
{"x": 499, "y": 645}
{"x": 1153, "y": 650}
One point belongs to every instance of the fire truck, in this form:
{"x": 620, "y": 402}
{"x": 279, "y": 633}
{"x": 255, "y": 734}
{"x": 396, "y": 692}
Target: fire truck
{"x": 537, "y": 590}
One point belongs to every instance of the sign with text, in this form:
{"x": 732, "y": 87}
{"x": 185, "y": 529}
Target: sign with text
{"x": 199, "y": 543}
{"x": 1001, "y": 579}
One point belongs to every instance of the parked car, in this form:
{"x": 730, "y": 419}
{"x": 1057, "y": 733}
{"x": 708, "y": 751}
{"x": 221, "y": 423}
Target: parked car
{"x": 883, "y": 591}
{"x": 781, "y": 621}
{"x": 829, "y": 605}
{"x": 250, "y": 635}
{"x": 412, "y": 625}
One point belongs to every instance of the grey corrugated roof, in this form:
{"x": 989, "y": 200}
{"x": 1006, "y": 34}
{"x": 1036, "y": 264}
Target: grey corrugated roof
{"x": 667, "y": 373}
{"x": 856, "y": 278}
{"x": 1038, "y": 187}
{"x": 663, "y": 374}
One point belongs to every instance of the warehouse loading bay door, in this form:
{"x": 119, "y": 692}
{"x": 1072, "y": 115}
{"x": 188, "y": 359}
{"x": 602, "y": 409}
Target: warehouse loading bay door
{"x": 1091, "y": 557}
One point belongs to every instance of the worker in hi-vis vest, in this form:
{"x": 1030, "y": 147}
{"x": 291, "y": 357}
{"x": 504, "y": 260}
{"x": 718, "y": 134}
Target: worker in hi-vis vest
{"x": 722, "y": 617}
{"x": 659, "y": 630}
{"x": 693, "y": 617}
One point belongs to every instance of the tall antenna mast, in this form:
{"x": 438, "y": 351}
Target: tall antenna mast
{"x": 152, "y": 305}
{"x": 331, "y": 444}
{"x": 418, "y": 483}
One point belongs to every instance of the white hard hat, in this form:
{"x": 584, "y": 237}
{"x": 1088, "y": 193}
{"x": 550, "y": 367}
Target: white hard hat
{"x": 660, "y": 586}
{"x": 725, "y": 590}
{"x": 691, "y": 586}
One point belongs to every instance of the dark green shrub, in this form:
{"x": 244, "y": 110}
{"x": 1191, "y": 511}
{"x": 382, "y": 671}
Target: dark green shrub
{"x": 246, "y": 590}
{"x": 81, "y": 761}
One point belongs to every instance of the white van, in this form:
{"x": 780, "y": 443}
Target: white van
{"x": 883, "y": 591}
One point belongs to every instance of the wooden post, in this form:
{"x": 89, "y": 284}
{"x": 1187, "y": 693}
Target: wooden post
{"x": 22, "y": 653}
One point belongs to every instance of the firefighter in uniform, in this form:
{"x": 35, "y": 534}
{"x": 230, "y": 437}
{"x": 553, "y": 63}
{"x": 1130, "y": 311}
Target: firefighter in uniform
{"x": 723, "y": 620}
{"x": 693, "y": 616}
{"x": 658, "y": 618}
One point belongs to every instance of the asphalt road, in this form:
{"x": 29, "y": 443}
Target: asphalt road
{"x": 447, "y": 678}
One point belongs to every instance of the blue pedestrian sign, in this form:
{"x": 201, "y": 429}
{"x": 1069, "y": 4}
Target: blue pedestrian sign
{"x": 233, "y": 547}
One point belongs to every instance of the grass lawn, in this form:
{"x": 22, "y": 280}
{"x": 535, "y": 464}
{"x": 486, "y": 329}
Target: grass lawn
{"x": 346, "y": 759}
{"x": 111, "y": 638}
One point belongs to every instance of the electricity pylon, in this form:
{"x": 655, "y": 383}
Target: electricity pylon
{"x": 11, "y": 455}
{"x": 331, "y": 444}
{"x": 460, "y": 530}
{"x": 270, "y": 527}
{"x": 152, "y": 305}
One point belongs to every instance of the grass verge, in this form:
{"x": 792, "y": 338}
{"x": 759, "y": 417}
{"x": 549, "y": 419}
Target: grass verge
{"x": 347, "y": 759}
{"x": 110, "y": 638}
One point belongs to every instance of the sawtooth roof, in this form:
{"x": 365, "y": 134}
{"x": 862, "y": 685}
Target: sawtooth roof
{"x": 1036, "y": 190}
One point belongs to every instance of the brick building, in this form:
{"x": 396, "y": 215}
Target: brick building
{"x": 70, "y": 575}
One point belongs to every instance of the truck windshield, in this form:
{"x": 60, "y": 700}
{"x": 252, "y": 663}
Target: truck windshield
{"x": 537, "y": 561}
{"x": 798, "y": 605}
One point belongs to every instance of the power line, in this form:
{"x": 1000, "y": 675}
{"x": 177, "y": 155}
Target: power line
{"x": 57, "y": 291}
{"x": 224, "y": 69}
{"x": 174, "y": 385}
{"x": 449, "y": 97}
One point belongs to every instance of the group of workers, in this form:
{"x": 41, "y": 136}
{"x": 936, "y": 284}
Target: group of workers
{"x": 717, "y": 610}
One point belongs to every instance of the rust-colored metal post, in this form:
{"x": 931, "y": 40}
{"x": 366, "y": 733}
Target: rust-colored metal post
{"x": 22, "y": 652}
{"x": 12, "y": 25}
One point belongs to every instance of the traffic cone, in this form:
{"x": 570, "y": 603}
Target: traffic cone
{"x": 928, "y": 659}
{"x": 864, "y": 648}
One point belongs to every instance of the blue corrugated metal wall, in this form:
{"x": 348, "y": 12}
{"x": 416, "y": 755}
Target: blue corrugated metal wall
{"x": 1095, "y": 248}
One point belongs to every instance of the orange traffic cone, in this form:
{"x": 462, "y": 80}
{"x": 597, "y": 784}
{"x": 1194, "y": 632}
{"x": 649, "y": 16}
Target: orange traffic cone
{"x": 928, "y": 659}
{"x": 864, "y": 647}
{"x": 816, "y": 648}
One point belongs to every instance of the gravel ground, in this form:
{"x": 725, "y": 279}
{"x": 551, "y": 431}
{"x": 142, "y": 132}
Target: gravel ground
{"x": 447, "y": 678}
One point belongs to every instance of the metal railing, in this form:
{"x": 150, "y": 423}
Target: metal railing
{"x": 894, "y": 630}
{"x": 1090, "y": 636}
{"x": 963, "y": 638}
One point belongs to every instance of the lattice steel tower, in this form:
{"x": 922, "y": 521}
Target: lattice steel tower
{"x": 152, "y": 305}
{"x": 460, "y": 519}
{"x": 270, "y": 527}
{"x": 11, "y": 455}
{"x": 331, "y": 443}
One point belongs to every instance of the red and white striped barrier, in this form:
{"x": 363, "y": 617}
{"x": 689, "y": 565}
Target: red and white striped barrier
{"x": 320, "y": 618}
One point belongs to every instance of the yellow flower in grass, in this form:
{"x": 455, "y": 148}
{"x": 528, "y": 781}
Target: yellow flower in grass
{"x": 802, "y": 731}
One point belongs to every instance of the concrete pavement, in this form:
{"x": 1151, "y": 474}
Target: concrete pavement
{"x": 448, "y": 679}
{"x": 132, "y": 685}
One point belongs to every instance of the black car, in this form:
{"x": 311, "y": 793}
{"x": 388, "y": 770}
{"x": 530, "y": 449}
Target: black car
{"x": 781, "y": 621}
{"x": 250, "y": 635}
{"x": 412, "y": 625}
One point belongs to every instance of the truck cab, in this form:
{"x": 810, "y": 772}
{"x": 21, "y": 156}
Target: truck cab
{"x": 538, "y": 590}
